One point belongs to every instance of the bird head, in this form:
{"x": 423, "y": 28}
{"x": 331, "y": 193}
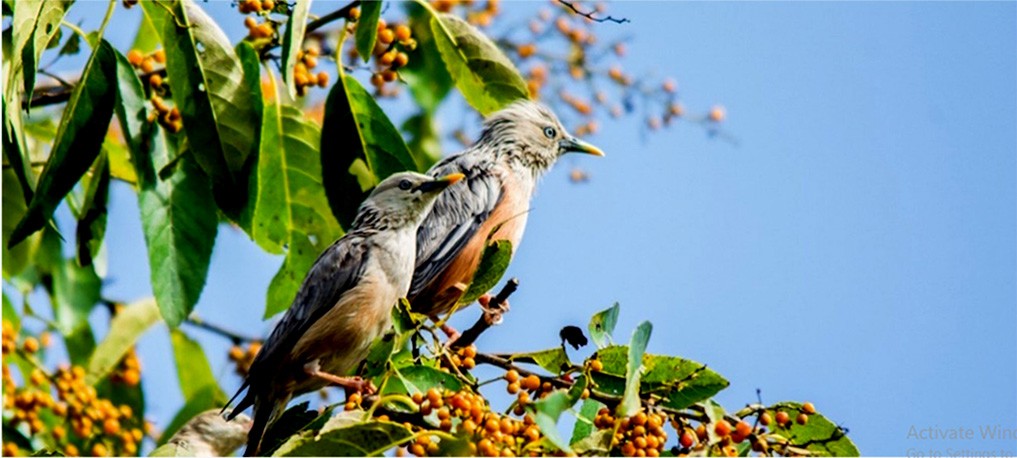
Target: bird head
{"x": 528, "y": 133}
{"x": 403, "y": 199}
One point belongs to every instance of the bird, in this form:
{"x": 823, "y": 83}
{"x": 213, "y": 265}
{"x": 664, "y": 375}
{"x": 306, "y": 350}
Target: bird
{"x": 517, "y": 145}
{"x": 343, "y": 304}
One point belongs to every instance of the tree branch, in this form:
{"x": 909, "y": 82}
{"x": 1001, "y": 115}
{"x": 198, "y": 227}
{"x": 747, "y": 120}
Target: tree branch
{"x": 236, "y": 338}
{"x": 590, "y": 16}
{"x": 470, "y": 335}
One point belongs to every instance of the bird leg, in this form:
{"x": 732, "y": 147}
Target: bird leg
{"x": 351, "y": 384}
{"x": 493, "y": 315}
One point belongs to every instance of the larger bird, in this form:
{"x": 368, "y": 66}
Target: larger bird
{"x": 344, "y": 302}
{"x": 517, "y": 146}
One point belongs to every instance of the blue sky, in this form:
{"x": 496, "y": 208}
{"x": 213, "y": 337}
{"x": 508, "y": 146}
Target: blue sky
{"x": 856, "y": 248}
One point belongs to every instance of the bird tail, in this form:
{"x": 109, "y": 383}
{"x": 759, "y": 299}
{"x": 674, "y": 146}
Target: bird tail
{"x": 246, "y": 402}
{"x": 266, "y": 411}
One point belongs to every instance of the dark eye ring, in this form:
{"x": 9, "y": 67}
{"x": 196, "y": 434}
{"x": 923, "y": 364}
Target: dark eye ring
{"x": 405, "y": 185}
{"x": 549, "y": 132}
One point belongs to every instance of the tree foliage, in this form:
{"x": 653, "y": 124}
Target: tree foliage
{"x": 206, "y": 132}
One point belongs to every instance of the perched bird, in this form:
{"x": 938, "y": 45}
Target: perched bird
{"x": 344, "y": 302}
{"x": 517, "y": 146}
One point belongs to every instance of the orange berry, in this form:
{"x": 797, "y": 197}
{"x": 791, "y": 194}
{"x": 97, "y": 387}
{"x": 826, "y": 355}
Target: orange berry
{"x": 160, "y": 56}
{"x": 512, "y": 376}
{"x": 803, "y": 418}
{"x": 385, "y": 36}
{"x": 687, "y": 439}
{"x": 783, "y": 418}
{"x": 744, "y": 428}
{"x": 402, "y": 32}
{"x": 155, "y": 80}
{"x": 808, "y": 408}
{"x": 310, "y": 61}
{"x": 722, "y": 428}
{"x": 354, "y": 14}
{"x": 71, "y": 450}
{"x": 99, "y": 449}
{"x": 132, "y": 378}
{"x": 527, "y": 50}
{"x": 111, "y": 426}
{"x": 322, "y": 79}
{"x": 250, "y": 23}
{"x": 267, "y": 5}
{"x": 388, "y": 75}
{"x": 765, "y": 419}
{"x": 531, "y": 383}
{"x": 236, "y": 353}
{"x": 148, "y": 65}
{"x": 401, "y": 60}
{"x": 31, "y": 344}
{"x": 717, "y": 113}
{"x": 265, "y": 30}
{"x": 135, "y": 57}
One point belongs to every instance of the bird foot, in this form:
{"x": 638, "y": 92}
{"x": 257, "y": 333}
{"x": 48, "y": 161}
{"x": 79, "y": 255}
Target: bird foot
{"x": 452, "y": 333}
{"x": 492, "y": 315}
{"x": 351, "y": 384}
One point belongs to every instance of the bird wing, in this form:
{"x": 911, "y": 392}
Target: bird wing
{"x": 334, "y": 272}
{"x": 456, "y": 217}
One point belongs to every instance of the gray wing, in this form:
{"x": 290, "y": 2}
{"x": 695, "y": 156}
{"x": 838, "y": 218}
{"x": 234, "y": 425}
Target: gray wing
{"x": 334, "y": 272}
{"x": 457, "y": 215}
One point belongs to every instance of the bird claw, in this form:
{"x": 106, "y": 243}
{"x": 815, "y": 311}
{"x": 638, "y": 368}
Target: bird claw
{"x": 493, "y": 315}
{"x": 351, "y": 384}
{"x": 452, "y": 333}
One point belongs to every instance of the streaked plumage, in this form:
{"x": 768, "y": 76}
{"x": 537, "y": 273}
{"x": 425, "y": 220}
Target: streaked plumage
{"x": 344, "y": 302}
{"x": 517, "y": 146}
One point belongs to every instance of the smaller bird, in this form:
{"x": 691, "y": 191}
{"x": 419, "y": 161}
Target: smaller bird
{"x": 207, "y": 435}
{"x": 344, "y": 303}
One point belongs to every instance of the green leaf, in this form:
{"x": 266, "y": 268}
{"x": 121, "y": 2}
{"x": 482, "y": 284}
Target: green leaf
{"x": 679, "y": 382}
{"x": 126, "y": 327}
{"x": 819, "y": 435}
{"x": 493, "y": 264}
{"x": 367, "y": 28}
{"x": 630, "y": 403}
{"x": 15, "y": 259}
{"x": 359, "y": 148}
{"x": 547, "y": 411}
{"x": 193, "y": 371}
{"x": 76, "y": 291}
{"x": 345, "y": 435}
{"x": 602, "y": 325}
{"x": 292, "y": 421}
{"x": 484, "y": 75}
{"x": 34, "y": 24}
{"x": 283, "y": 288}
{"x": 197, "y": 383}
{"x": 206, "y": 79}
{"x": 598, "y": 443}
{"x": 584, "y": 422}
{"x": 180, "y": 224}
{"x": 425, "y": 143}
{"x": 72, "y": 46}
{"x": 293, "y": 40}
{"x": 419, "y": 379}
{"x": 78, "y": 142}
{"x": 553, "y": 360}
{"x": 425, "y": 74}
{"x": 290, "y": 198}
{"x": 92, "y": 215}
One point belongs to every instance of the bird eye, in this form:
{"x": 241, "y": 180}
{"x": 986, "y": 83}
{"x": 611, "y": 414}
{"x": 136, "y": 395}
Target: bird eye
{"x": 405, "y": 185}
{"x": 549, "y": 132}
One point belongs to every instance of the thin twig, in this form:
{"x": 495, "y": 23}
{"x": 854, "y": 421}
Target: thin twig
{"x": 470, "y": 335}
{"x": 590, "y": 16}
{"x": 237, "y": 339}
{"x": 337, "y": 14}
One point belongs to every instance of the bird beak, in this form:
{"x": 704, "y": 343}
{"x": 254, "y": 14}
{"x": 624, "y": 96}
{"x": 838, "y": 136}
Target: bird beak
{"x": 440, "y": 183}
{"x": 575, "y": 145}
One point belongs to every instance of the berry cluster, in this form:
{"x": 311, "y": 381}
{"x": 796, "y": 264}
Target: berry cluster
{"x": 525, "y": 389}
{"x": 480, "y": 15}
{"x": 463, "y": 357}
{"x": 639, "y": 435}
{"x": 152, "y": 67}
{"x": 302, "y": 75}
{"x": 128, "y": 371}
{"x": 97, "y": 426}
{"x": 489, "y": 433}
{"x": 258, "y": 30}
{"x": 243, "y": 358}
{"x": 389, "y": 53}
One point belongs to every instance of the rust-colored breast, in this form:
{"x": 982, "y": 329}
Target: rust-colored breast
{"x": 509, "y": 217}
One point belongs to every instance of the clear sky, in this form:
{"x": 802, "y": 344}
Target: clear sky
{"x": 856, "y": 248}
